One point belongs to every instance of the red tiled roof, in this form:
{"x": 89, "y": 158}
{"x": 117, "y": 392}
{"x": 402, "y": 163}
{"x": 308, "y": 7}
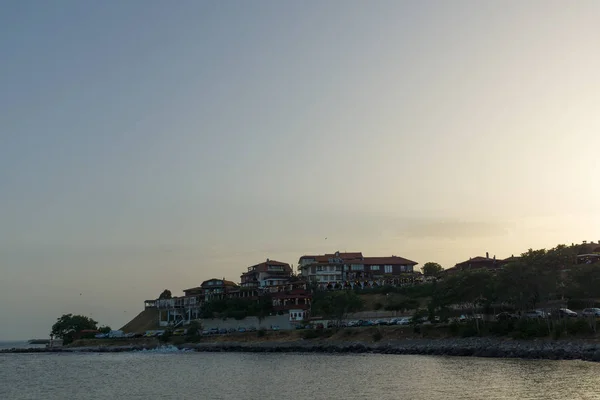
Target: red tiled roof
{"x": 263, "y": 267}
{"x": 393, "y": 260}
{"x": 478, "y": 260}
{"x": 225, "y": 282}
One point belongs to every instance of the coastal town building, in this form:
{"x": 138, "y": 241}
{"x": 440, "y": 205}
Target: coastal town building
{"x": 477, "y": 263}
{"x": 265, "y": 274}
{"x": 351, "y": 269}
{"x": 488, "y": 263}
{"x": 589, "y": 253}
{"x": 212, "y": 289}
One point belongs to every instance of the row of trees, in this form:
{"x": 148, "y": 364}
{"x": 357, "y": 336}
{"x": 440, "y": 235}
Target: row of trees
{"x": 538, "y": 278}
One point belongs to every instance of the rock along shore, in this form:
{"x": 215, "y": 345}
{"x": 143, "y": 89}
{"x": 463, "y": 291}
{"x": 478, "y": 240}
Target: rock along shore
{"x": 470, "y": 347}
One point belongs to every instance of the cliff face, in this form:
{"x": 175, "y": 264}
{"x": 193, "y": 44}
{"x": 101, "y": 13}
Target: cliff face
{"x": 144, "y": 321}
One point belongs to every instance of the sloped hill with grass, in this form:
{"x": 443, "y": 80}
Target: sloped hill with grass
{"x": 144, "y": 321}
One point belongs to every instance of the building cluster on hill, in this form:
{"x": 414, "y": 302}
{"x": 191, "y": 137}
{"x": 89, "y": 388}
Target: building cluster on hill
{"x": 291, "y": 292}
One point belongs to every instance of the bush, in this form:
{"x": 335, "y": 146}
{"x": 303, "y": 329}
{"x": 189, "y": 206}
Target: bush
{"x": 193, "y": 338}
{"x": 578, "y": 327}
{"x": 530, "y": 328}
{"x": 178, "y": 340}
{"x": 501, "y": 328}
{"x": 426, "y": 330}
{"x": 165, "y": 337}
{"x": 454, "y": 328}
{"x": 311, "y": 334}
{"x": 378, "y": 306}
{"x": 261, "y": 332}
{"x": 469, "y": 330}
{"x": 377, "y": 336}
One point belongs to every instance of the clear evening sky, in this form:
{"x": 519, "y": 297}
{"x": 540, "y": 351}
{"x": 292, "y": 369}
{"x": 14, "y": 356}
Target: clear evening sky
{"x": 147, "y": 144}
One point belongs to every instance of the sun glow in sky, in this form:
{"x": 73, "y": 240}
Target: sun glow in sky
{"x": 147, "y": 145}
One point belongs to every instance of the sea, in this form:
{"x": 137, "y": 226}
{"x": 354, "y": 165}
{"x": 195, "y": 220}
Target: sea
{"x": 169, "y": 373}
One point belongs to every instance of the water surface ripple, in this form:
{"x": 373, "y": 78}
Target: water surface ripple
{"x": 185, "y": 375}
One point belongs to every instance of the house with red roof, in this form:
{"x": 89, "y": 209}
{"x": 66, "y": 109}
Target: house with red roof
{"x": 265, "y": 274}
{"x": 340, "y": 267}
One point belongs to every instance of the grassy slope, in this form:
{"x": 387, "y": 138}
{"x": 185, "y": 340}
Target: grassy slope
{"x": 144, "y": 321}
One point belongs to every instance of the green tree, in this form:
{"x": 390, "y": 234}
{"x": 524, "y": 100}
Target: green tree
{"x": 336, "y": 305}
{"x": 104, "y": 329}
{"x": 68, "y": 325}
{"x": 586, "y": 285}
{"x": 432, "y": 269}
{"x": 194, "y": 328}
{"x": 471, "y": 289}
{"x": 166, "y": 294}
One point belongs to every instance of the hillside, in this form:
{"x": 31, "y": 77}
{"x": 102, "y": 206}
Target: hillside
{"x": 144, "y": 321}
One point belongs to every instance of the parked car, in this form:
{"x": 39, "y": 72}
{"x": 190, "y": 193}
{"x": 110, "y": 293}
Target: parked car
{"x": 274, "y": 327}
{"x": 222, "y": 331}
{"x": 506, "y": 316}
{"x": 251, "y": 329}
{"x": 242, "y": 330}
{"x": 403, "y": 321}
{"x": 381, "y": 322}
{"x": 535, "y": 314}
{"x": 213, "y": 331}
{"x": 591, "y": 312}
{"x": 565, "y": 312}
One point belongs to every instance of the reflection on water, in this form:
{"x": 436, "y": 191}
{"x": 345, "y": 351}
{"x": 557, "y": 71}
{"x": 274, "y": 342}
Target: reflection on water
{"x": 166, "y": 375}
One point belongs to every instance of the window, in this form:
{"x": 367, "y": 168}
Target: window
{"x": 319, "y": 268}
{"x": 388, "y": 269}
{"x": 338, "y": 268}
{"x": 374, "y": 267}
{"x": 357, "y": 267}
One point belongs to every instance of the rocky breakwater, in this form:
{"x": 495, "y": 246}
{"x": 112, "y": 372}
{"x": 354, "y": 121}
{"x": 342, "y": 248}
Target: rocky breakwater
{"x": 471, "y": 347}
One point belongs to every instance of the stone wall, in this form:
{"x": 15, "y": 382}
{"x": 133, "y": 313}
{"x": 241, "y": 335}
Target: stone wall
{"x": 283, "y": 321}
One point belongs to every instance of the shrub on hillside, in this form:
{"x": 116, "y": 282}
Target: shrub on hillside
{"x": 377, "y": 336}
{"x": 311, "y": 334}
{"x": 165, "y": 337}
{"x": 578, "y": 327}
{"x": 530, "y": 328}
{"x": 178, "y": 340}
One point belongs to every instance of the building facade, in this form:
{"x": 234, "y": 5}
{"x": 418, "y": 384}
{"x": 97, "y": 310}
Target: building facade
{"x": 350, "y": 269}
{"x": 265, "y": 274}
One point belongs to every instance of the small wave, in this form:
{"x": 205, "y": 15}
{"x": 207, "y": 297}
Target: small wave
{"x": 164, "y": 350}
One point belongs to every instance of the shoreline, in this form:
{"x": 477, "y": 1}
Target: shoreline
{"x": 468, "y": 347}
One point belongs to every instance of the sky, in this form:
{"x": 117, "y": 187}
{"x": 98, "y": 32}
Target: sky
{"x": 147, "y": 145}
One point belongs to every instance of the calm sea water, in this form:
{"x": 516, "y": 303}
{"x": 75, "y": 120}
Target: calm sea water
{"x": 187, "y": 375}
{"x": 20, "y": 344}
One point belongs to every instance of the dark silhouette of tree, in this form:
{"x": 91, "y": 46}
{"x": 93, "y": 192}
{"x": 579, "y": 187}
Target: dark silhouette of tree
{"x": 432, "y": 269}
{"x": 68, "y": 325}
